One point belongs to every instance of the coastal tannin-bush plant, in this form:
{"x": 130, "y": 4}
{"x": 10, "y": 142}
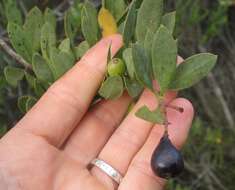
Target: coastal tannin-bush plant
{"x": 149, "y": 54}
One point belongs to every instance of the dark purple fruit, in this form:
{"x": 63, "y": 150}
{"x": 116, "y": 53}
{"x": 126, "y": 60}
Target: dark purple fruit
{"x": 166, "y": 160}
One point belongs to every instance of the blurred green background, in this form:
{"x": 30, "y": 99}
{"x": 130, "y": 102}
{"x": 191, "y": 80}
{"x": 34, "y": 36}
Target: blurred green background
{"x": 202, "y": 25}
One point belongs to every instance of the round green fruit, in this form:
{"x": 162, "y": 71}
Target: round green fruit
{"x": 116, "y": 67}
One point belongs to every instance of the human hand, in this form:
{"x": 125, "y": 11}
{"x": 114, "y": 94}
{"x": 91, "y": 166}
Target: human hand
{"x": 52, "y": 146}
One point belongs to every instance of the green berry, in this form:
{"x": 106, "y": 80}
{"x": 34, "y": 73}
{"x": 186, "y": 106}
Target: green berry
{"x": 116, "y": 67}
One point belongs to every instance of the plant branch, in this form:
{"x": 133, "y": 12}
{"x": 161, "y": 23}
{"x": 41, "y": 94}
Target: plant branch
{"x": 23, "y": 8}
{"x": 14, "y": 55}
{"x": 216, "y": 180}
{"x": 220, "y": 96}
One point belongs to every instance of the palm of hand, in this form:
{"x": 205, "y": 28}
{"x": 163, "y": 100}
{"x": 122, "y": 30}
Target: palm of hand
{"x": 52, "y": 146}
{"x": 32, "y": 163}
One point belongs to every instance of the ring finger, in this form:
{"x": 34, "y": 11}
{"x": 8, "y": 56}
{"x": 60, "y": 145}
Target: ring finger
{"x": 127, "y": 140}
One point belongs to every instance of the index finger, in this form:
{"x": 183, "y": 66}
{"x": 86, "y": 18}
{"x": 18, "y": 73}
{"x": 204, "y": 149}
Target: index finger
{"x": 63, "y": 105}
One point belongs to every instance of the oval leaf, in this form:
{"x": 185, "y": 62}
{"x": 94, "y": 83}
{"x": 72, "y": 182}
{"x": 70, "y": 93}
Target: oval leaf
{"x": 168, "y": 20}
{"x": 155, "y": 116}
{"x": 13, "y": 75}
{"x": 117, "y": 8}
{"x": 48, "y": 40}
{"x": 65, "y": 45}
{"x": 142, "y": 65}
{"x": 49, "y": 17}
{"x": 41, "y": 69}
{"x": 192, "y": 70}
{"x": 149, "y": 17}
{"x": 61, "y": 62}
{"x": 13, "y": 12}
{"x": 129, "y": 24}
{"x": 90, "y": 28}
{"x": 81, "y": 49}
{"x": 31, "y": 101}
{"x": 112, "y": 88}
{"x": 72, "y": 22}
{"x": 164, "y": 56}
{"x": 148, "y": 42}
{"x": 21, "y": 103}
{"x": 32, "y": 28}
{"x": 30, "y": 79}
{"x": 19, "y": 41}
{"x": 127, "y": 57}
{"x": 134, "y": 89}
{"x": 38, "y": 88}
{"x": 107, "y": 22}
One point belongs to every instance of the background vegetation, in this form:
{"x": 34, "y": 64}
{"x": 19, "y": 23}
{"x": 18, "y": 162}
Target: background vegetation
{"x": 202, "y": 25}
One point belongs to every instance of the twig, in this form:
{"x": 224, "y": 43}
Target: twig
{"x": 216, "y": 179}
{"x": 2, "y": 33}
{"x": 219, "y": 94}
{"x": 14, "y": 55}
{"x": 61, "y": 5}
{"x": 199, "y": 177}
{"x": 22, "y": 6}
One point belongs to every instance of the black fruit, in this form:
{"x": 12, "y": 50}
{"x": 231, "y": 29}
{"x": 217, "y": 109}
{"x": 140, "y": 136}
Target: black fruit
{"x": 166, "y": 160}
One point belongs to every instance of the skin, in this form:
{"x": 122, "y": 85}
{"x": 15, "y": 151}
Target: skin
{"x": 53, "y": 144}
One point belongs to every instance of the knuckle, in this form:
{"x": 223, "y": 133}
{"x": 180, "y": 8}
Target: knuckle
{"x": 65, "y": 97}
{"x": 106, "y": 116}
{"x": 130, "y": 138}
{"x": 91, "y": 69}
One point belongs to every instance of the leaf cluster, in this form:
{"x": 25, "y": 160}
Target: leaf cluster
{"x": 149, "y": 52}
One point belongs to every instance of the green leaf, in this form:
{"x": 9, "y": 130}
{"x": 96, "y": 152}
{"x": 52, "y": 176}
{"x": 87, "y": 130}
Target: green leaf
{"x": 18, "y": 40}
{"x": 134, "y": 89}
{"x": 192, "y": 70}
{"x": 149, "y": 17}
{"x": 112, "y": 88}
{"x": 49, "y": 17}
{"x": 168, "y": 20}
{"x": 30, "y": 79}
{"x": 65, "y": 45}
{"x": 12, "y": 12}
{"x": 155, "y": 116}
{"x": 81, "y": 49}
{"x": 13, "y": 75}
{"x": 61, "y": 62}
{"x": 142, "y": 65}
{"x": 41, "y": 69}
{"x": 129, "y": 24}
{"x": 30, "y": 103}
{"x": 148, "y": 42}
{"x": 38, "y": 88}
{"x": 21, "y": 103}
{"x": 121, "y": 27}
{"x": 127, "y": 57}
{"x": 117, "y": 8}
{"x": 48, "y": 40}
{"x": 32, "y": 28}
{"x": 25, "y": 103}
{"x": 72, "y": 22}
{"x": 164, "y": 56}
{"x": 90, "y": 28}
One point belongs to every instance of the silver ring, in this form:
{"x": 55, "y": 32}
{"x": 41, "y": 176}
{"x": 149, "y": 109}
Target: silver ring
{"x": 109, "y": 170}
